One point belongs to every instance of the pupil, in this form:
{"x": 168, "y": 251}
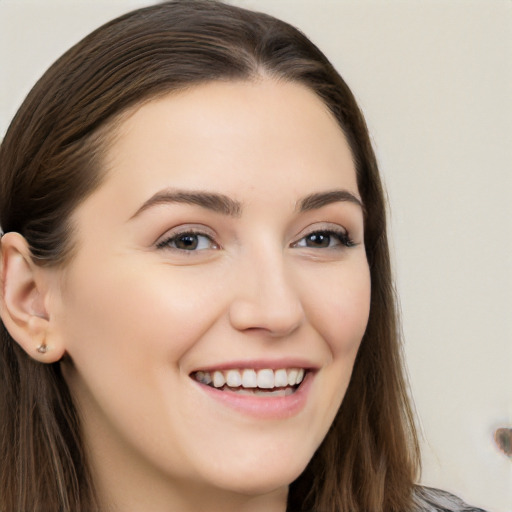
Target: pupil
{"x": 318, "y": 240}
{"x": 187, "y": 242}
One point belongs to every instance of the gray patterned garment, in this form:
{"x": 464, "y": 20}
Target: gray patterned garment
{"x": 434, "y": 500}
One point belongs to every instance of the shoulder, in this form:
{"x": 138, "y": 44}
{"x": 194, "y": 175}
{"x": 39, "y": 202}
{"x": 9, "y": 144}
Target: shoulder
{"x": 434, "y": 500}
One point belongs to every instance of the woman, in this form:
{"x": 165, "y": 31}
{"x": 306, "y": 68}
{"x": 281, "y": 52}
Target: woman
{"x": 196, "y": 297}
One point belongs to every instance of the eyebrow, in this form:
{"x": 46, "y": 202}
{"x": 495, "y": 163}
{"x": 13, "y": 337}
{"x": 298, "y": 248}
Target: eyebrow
{"x": 219, "y": 203}
{"x": 225, "y": 205}
{"x": 320, "y": 199}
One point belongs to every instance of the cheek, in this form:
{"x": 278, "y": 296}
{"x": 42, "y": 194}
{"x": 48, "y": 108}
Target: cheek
{"x": 156, "y": 312}
{"x": 128, "y": 335}
{"x": 341, "y": 310}
{"x": 338, "y": 307}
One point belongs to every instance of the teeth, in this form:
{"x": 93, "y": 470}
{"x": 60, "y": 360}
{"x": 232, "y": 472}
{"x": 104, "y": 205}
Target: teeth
{"x": 249, "y": 379}
{"x": 280, "y": 379}
{"x": 254, "y": 392}
{"x": 204, "y": 377}
{"x": 218, "y": 379}
{"x": 233, "y": 379}
{"x": 246, "y": 380}
{"x": 292, "y": 377}
{"x": 265, "y": 379}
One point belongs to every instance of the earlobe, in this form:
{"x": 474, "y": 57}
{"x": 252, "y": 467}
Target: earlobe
{"x": 24, "y": 305}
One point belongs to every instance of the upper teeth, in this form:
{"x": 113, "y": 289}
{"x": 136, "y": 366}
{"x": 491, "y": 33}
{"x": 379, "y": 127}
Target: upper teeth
{"x": 248, "y": 378}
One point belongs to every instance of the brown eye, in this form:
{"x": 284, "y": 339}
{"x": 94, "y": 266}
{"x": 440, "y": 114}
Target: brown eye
{"x": 318, "y": 240}
{"x": 325, "y": 240}
{"x": 188, "y": 241}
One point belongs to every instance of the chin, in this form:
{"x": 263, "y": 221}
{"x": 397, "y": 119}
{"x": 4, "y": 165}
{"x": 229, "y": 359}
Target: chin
{"x": 264, "y": 479}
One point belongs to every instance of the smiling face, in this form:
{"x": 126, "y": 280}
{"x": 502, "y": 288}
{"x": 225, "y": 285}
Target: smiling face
{"x": 220, "y": 290}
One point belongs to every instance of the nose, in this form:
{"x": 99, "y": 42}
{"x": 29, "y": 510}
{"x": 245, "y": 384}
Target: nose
{"x": 266, "y": 298}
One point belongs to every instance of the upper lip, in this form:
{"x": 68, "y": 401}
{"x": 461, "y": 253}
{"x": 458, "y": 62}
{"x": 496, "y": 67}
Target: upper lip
{"x": 259, "y": 364}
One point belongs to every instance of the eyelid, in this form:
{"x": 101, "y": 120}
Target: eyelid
{"x": 324, "y": 227}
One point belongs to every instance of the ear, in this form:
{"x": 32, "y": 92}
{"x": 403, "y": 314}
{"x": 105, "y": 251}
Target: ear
{"x": 25, "y": 305}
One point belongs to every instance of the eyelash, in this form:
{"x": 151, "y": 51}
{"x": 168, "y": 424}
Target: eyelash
{"x": 166, "y": 243}
{"x": 341, "y": 236}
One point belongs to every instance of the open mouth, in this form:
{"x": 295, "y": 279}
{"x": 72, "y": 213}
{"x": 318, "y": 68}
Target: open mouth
{"x": 264, "y": 382}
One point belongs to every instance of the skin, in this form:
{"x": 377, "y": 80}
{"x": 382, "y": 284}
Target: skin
{"x": 135, "y": 316}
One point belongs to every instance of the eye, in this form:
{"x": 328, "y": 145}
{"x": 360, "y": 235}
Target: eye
{"x": 325, "y": 239}
{"x": 188, "y": 241}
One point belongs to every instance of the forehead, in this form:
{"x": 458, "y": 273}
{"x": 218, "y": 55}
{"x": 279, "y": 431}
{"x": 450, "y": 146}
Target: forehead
{"x": 265, "y": 144}
{"x": 222, "y": 129}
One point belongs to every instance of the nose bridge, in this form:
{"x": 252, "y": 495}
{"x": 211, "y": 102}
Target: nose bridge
{"x": 266, "y": 295}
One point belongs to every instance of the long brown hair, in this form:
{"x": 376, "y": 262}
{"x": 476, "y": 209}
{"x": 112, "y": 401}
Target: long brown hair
{"x": 51, "y": 159}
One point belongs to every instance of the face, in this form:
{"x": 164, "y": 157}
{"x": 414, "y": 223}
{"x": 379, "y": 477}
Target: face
{"x": 220, "y": 290}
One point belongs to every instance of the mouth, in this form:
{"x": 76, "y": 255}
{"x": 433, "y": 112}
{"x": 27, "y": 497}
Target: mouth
{"x": 254, "y": 382}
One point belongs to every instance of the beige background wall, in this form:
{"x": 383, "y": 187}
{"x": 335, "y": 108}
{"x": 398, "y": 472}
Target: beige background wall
{"x": 434, "y": 79}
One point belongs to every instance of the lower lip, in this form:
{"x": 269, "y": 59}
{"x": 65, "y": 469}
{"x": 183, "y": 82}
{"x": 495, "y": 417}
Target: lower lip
{"x": 272, "y": 407}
